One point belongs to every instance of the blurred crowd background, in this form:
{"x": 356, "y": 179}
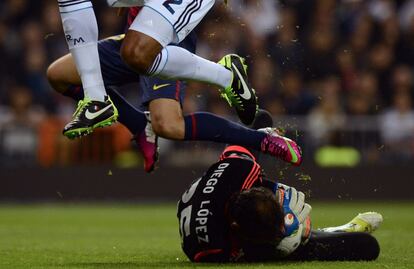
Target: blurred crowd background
{"x": 336, "y": 75}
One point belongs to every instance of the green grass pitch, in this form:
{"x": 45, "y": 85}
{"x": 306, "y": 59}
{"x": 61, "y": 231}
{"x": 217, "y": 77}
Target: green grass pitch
{"x": 146, "y": 236}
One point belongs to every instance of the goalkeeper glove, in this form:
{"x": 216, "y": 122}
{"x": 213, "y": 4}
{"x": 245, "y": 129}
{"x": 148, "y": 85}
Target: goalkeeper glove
{"x": 296, "y": 212}
{"x": 294, "y": 207}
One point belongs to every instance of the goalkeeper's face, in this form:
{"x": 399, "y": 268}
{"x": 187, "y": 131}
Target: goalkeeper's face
{"x": 255, "y": 217}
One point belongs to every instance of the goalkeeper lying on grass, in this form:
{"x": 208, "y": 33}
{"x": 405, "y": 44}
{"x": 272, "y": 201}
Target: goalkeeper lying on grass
{"x": 233, "y": 213}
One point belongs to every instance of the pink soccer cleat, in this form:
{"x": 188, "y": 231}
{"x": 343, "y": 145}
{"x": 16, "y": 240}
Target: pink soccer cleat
{"x": 147, "y": 143}
{"x": 281, "y": 147}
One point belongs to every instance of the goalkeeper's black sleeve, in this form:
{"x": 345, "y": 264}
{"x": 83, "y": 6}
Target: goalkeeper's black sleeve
{"x": 338, "y": 246}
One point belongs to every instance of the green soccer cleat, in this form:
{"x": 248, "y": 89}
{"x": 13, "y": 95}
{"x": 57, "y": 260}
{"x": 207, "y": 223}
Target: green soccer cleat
{"x": 89, "y": 115}
{"x": 366, "y": 222}
{"x": 239, "y": 94}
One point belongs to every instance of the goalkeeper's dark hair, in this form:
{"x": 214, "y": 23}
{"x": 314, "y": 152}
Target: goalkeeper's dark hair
{"x": 259, "y": 218}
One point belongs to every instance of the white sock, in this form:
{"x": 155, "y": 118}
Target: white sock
{"x": 177, "y": 63}
{"x": 81, "y": 31}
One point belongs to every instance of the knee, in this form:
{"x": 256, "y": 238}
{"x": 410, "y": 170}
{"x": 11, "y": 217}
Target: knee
{"x": 51, "y": 73}
{"x": 136, "y": 56}
{"x": 167, "y": 127}
{"x": 54, "y": 77}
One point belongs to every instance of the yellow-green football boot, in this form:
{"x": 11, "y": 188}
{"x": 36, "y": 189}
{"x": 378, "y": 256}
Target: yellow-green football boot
{"x": 239, "y": 94}
{"x": 89, "y": 115}
{"x": 366, "y": 222}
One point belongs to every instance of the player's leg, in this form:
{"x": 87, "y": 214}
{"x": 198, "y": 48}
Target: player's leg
{"x": 81, "y": 32}
{"x": 168, "y": 122}
{"x": 338, "y": 246}
{"x": 205, "y": 126}
{"x": 146, "y": 49}
{"x": 164, "y": 99}
{"x": 64, "y": 78}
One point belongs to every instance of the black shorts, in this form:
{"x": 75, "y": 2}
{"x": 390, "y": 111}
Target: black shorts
{"x": 116, "y": 73}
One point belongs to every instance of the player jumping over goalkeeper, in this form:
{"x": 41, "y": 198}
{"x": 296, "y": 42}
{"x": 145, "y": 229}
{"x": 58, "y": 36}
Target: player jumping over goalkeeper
{"x": 234, "y": 213}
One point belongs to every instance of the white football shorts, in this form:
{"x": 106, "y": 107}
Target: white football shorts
{"x": 170, "y": 21}
{"x": 125, "y": 3}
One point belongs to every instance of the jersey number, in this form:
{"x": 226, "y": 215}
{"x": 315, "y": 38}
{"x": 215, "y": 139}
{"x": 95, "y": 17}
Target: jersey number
{"x": 168, "y": 4}
{"x": 185, "y": 222}
{"x": 190, "y": 192}
{"x": 185, "y": 215}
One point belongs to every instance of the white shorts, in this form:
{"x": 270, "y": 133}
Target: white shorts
{"x": 170, "y": 21}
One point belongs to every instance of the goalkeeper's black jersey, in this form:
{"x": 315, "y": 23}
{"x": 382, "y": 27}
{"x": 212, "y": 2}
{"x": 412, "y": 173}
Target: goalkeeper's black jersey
{"x": 201, "y": 210}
